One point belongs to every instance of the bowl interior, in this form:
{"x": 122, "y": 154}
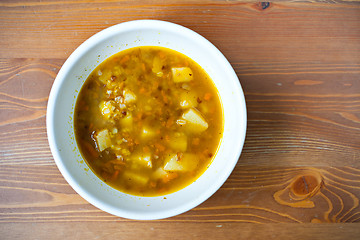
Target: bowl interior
{"x": 74, "y": 73}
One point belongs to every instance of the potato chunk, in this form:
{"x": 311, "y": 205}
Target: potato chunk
{"x": 182, "y": 74}
{"x": 189, "y": 161}
{"x": 103, "y": 140}
{"x": 188, "y": 99}
{"x": 139, "y": 179}
{"x": 142, "y": 160}
{"x": 107, "y": 108}
{"x": 159, "y": 173}
{"x": 178, "y": 142}
{"x": 126, "y": 123}
{"x": 157, "y": 66}
{"x": 147, "y": 133}
{"x": 129, "y": 96}
{"x": 195, "y": 122}
{"x": 181, "y": 162}
{"x": 104, "y": 75}
{"x": 172, "y": 163}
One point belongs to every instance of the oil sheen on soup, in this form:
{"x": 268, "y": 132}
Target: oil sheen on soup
{"x": 148, "y": 121}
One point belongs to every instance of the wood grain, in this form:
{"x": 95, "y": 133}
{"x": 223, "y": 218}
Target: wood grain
{"x": 251, "y": 194}
{"x": 229, "y": 25}
{"x": 299, "y": 66}
{"x": 136, "y": 230}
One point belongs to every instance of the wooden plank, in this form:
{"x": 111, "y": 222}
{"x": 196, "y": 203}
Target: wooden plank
{"x": 300, "y": 119}
{"x": 252, "y": 194}
{"x": 25, "y": 157}
{"x": 162, "y": 230}
{"x": 244, "y": 32}
{"x": 299, "y": 65}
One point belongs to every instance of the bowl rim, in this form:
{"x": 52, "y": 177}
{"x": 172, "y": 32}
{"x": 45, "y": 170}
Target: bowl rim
{"x": 75, "y": 56}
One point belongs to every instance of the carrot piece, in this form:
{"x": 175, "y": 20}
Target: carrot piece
{"x": 105, "y": 175}
{"x": 165, "y": 98}
{"x": 143, "y": 67}
{"x": 163, "y": 189}
{"x": 162, "y": 55}
{"x": 115, "y": 175}
{"x": 207, "y": 96}
{"x": 120, "y": 85}
{"x": 138, "y": 116}
{"x": 125, "y": 59}
{"x": 155, "y": 85}
{"x": 170, "y": 176}
{"x": 152, "y": 184}
{"x": 82, "y": 103}
{"x": 196, "y": 141}
{"x": 90, "y": 149}
{"x": 142, "y": 90}
{"x": 170, "y": 122}
{"x": 160, "y": 147}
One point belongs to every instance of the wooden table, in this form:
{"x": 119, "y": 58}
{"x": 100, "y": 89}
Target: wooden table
{"x": 299, "y": 66}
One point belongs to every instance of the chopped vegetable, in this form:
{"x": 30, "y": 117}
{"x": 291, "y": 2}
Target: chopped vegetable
{"x": 147, "y": 133}
{"x": 194, "y": 120}
{"x": 178, "y": 142}
{"x": 90, "y": 149}
{"x": 159, "y": 173}
{"x": 107, "y": 108}
{"x": 182, "y": 74}
{"x": 126, "y": 123}
{"x": 148, "y": 121}
{"x": 137, "y": 178}
{"x": 129, "y": 96}
{"x": 181, "y": 162}
{"x": 103, "y": 140}
{"x": 105, "y": 75}
{"x": 190, "y": 161}
{"x": 115, "y": 175}
{"x": 157, "y": 66}
{"x": 172, "y": 163}
{"x": 170, "y": 176}
{"x": 188, "y": 99}
{"x": 207, "y": 96}
{"x": 142, "y": 160}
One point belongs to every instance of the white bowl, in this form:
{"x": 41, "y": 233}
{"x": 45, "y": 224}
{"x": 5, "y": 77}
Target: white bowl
{"x": 60, "y": 110}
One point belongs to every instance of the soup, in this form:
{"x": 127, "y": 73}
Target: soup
{"x": 148, "y": 121}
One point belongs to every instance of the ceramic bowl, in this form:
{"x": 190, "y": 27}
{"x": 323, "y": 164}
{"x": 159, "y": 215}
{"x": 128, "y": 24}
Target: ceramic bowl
{"x": 74, "y": 72}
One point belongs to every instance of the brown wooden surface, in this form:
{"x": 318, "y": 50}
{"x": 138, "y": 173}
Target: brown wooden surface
{"x": 299, "y": 65}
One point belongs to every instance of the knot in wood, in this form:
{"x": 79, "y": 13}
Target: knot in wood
{"x": 265, "y": 5}
{"x": 300, "y": 190}
{"x": 262, "y": 5}
{"x": 306, "y": 185}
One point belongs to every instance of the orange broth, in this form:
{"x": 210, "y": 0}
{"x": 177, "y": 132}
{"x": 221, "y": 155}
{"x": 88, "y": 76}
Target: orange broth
{"x": 148, "y": 121}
